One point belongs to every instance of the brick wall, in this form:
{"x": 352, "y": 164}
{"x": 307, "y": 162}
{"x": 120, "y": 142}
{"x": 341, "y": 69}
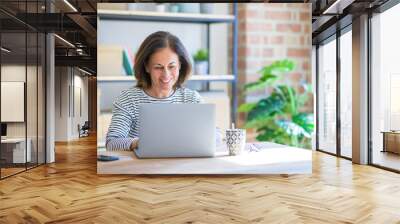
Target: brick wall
{"x": 270, "y": 32}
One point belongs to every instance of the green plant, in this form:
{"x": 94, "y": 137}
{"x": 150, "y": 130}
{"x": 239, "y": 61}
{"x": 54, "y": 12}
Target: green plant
{"x": 277, "y": 118}
{"x": 201, "y": 55}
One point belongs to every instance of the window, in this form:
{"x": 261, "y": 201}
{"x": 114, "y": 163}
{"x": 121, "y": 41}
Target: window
{"x": 385, "y": 89}
{"x": 346, "y": 94}
{"x": 327, "y": 96}
{"x": 22, "y": 76}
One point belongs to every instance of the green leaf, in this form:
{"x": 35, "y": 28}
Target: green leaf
{"x": 278, "y": 67}
{"x": 270, "y": 74}
{"x": 302, "y": 99}
{"x": 246, "y": 107}
{"x": 267, "y": 107}
{"x": 255, "y": 86}
{"x": 259, "y": 122}
{"x": 293, "y": 129}
{"x": 261, "y": 84}
{"x": 289, "y": 95}
{"x": 305, "y": 120}
{"x": 273, "y": 134}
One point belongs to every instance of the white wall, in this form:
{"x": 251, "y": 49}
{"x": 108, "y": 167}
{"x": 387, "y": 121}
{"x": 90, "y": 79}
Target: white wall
{"x": 33, "y": 126}
{"x": 15, "y": 73}
{"x": 79, "y": 117}
{"x": 61, "y": 103}
{"x": 219, "y": 54}
{"x": 69, "y": 82}
{"x": 327, "y": 97}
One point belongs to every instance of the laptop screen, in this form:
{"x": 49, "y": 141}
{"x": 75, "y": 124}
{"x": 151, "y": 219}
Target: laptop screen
{"x": 3, "y": 129}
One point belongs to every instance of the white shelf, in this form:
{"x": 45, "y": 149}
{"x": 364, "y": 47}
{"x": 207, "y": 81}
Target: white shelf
{"x": 204, "y": 78}
{"x": 163, "y": 16}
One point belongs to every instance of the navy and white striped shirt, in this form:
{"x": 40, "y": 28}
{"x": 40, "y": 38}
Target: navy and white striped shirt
{"x": 123, "y": 129}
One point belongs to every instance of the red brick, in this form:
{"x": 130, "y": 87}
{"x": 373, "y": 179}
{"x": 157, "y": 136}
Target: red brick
{"x": 265, "y": 37}
{"x": 296, "y": 5}
{"x": 277, "y": 40}
{"x": 302, "y": 40}
{"x": 305, "y": 16}
{"x": 288, "y": 27}
{"x": 242, "y": 13}
{"x": 306, "y": 65}
{"x": 252, "y": 13}
{"x": 300, "y": 90}
{"x": 254, "y": 27}
{"x": 295, "y": 77}
{"x": 241, "y": 6}
{"x": 308, "y": 78}
{"x": 247, "y": 51}
{"x": 241, "y": 62}
{"x": 242, "y": 27}
{"x": 242, "y": 38}
{"x": 242, "y": 78}
{"x": 284, "y": 15}
{"x": 307, "y": 28}
{"x": 242, "y": 51}
{"x": 295, "y": 52}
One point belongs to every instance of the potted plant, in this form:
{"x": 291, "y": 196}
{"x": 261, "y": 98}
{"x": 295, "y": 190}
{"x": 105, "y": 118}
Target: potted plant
{"x": 201, "y": 62}
{"x": 278, "y": 117}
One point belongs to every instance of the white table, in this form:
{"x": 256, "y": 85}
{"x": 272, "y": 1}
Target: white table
{"x": 18, "y": 149}
{"x": 270, "y": 159}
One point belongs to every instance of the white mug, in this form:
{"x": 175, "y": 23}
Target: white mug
{"x": 235, "y": 141}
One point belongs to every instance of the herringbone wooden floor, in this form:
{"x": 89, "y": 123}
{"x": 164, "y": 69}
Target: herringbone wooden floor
{"x": 70, "y": 191}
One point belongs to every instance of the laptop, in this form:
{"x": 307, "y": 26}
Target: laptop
{"x": 176, "y": 130}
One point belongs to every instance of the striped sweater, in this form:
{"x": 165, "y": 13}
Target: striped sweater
{"x": 123, "y": 129}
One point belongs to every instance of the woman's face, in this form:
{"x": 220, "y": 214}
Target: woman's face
{"x": 163, "y": 67}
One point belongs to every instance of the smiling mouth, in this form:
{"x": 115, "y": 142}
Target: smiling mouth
{"x": 165, "y": 81}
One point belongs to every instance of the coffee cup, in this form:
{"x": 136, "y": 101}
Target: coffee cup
{"x": 235, "y": 141}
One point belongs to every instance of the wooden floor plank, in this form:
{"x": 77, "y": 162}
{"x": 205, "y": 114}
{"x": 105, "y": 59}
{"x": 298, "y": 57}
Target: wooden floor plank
{"x": 70, "y": 191}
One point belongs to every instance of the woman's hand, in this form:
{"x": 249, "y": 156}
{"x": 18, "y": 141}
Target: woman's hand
{"x": 134, "y": 145}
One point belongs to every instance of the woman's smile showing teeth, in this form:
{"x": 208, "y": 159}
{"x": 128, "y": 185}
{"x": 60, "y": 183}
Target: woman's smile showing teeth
{"x": 165, "y": 81}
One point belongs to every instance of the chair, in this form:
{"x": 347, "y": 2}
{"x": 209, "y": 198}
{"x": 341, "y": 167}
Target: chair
{"x": 84, "y": 130}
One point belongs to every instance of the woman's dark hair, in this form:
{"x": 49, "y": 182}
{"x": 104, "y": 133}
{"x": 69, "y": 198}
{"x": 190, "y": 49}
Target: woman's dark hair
{"x": 152, "y": 44}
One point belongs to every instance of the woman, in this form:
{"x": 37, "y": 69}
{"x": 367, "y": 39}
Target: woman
{"x": 162, "y": 65}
